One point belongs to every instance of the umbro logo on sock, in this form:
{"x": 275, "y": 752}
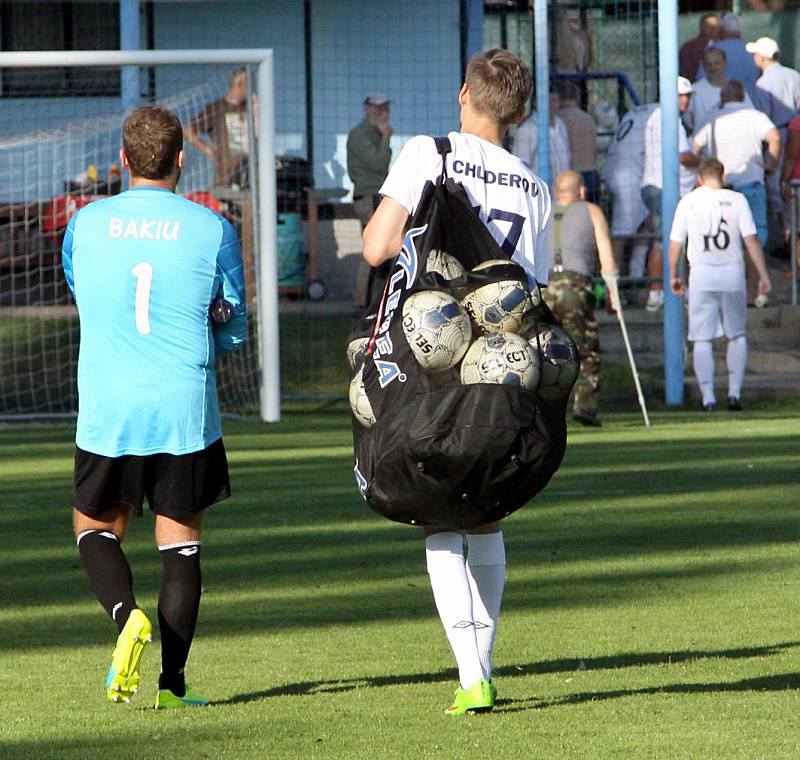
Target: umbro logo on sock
{"x": 189, "y": 551}
{"x": 464, "y": 624}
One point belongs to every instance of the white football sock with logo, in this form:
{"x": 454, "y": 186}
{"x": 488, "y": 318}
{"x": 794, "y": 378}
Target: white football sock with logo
{"x": 737, "y": 362}
{"x": 486, "y": 571}
{"x": 703, "y": 363}
{"x": 444, "y": 553}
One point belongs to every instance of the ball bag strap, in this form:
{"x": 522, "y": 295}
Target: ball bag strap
{"x": 443, "y": 147}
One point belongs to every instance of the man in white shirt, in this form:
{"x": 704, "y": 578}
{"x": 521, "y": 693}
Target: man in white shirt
{"x": 715, "y": 221}
{"x": 740, "y": 62}
{"x": 526, "y": 141}
{"x": 705, "y": 102}
{"x": 735, "y": 137}
{"x": 515, "y": 207}
{"x": 622, "y": 173}
{"x": 651, "y": 184}
{"x": 781, "y": 81}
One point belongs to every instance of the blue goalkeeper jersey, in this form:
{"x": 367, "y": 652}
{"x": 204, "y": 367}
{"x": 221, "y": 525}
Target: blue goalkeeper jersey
{"x": 144, "y": 267}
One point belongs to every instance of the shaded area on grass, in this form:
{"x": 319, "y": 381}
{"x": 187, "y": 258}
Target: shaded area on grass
{"x": 625, "y": 660}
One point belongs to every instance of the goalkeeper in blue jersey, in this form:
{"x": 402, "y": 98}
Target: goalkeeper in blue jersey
{"x": 159, "y": 286}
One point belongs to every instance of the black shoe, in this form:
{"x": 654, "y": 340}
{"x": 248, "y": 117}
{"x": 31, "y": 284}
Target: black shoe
{"x": 734, "y": 404}
{"x": 587, "y": 419}
{"x": 708, "y": 407}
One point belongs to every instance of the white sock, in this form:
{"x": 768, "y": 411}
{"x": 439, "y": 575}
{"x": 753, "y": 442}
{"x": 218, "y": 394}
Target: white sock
{"x": 703, "y": 362}
{"x": 444, "y": 553}
{"x": 486, "y": 570}
{"x": 638, "y": 257}
{"x": 737, "y": 361}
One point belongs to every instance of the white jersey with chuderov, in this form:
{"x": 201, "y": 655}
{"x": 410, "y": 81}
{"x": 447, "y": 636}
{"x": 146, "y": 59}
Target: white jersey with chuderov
{"x": 625, "y": 158}
{"x": 513, "y": 203}
{"x": 715, "y": 221}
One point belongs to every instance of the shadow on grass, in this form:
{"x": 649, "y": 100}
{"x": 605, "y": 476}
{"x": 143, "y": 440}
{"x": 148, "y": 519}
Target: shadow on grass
{"x": 780, "y": 682}
{"x": 611, "y": 662}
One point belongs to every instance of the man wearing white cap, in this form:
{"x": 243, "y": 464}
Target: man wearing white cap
{"x": 651, "y": 183}
{"x": 780, "y": 80}
{"x": 716, "y": 222}
{"x": 368, "y": 157}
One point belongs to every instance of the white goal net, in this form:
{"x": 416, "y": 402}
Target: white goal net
{"x": 50, "y": 168}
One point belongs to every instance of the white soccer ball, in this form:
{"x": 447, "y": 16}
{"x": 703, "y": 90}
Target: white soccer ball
{"x": 559, "y": 359}
{"x": 437, "y": 329}
{"x": 444, "y": 264}
{"x": 503, "y": 358}
{"x": 499, "y": 307}
{"x": 359, "y": 402}
{"x": 355, "y": 351}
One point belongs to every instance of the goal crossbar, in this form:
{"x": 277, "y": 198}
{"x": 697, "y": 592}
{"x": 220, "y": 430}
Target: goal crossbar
{"x": 262, "y": 58}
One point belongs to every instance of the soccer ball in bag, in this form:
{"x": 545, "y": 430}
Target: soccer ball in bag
{"x": 499, "y": 307}
{"x": 359, "y": 402}
{"x": 437, "y": 329}
{"x": 503, "y": 358}
{"x": 560, "y": 362}
{"x": 444, "y": 264}
{"x": 355, "y": 351}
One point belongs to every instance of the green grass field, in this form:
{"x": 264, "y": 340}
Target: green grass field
{"x": 652, "y": 607}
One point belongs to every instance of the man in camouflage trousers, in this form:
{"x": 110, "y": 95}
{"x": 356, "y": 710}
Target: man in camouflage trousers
{"x": 579, "y": 237}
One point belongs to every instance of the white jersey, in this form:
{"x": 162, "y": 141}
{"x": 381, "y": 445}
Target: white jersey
{"x": 624, "y": 164}
{"x": 715, "y": 221}
{"x": 652, "y": 154}
{"x": 512, "y": 202}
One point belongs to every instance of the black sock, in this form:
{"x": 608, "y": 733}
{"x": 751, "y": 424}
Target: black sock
{"x": 178, "y": 604}
{"x": 109, "y": 574}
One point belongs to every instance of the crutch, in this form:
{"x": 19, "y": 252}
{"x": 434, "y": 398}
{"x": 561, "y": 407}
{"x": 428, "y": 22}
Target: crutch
{"x": 611, "y": 280}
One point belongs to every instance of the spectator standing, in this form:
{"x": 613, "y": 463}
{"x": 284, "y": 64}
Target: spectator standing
{"x": 691, "y": 53}
{"x": 740, "y": 63}
{"x": 579, "y": 236}
{"x": 368, "y": 157}
{"x": 735, "y": 137}
{"x": 224, "y": 121}
{"x": 715, "y": 221}
{"x": 582, "y": 134}
{"x": 526, "y": 141}
{"x": 791, "y": 167}
{"x": 651, "y": 184}
{"x": 622, "y": 172}
{"x": 777, "y": 79}
{"x": 705, "y": 102}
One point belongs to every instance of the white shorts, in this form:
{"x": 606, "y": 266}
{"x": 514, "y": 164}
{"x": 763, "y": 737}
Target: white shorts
{"x": 713, "y": 314}
{"x": 627, "y": 211}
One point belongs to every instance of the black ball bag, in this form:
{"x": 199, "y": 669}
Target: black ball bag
{"x": 443, "y": 454}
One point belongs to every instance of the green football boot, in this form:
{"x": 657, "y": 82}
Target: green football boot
{"x": 479, "y": 698}
{"x": 123, "y": 675}
{"x": 165, "y": 699}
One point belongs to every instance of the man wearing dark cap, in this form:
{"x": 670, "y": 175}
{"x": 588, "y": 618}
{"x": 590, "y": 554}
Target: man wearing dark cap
{"x": 368, "y": 156}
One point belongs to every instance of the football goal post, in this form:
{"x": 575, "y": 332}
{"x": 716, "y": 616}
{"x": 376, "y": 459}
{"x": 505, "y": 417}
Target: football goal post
{"x": 58, "y": 151}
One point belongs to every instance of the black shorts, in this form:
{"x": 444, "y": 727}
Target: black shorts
{"x": 176, "y": 486}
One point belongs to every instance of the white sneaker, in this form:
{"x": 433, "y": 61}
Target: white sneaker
{"x": 655, "y": 300}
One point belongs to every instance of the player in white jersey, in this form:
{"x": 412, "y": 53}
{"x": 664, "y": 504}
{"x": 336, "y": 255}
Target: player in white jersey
{"x": 716, "y": 221}
{"x": 622, "y": 173}
{"x": 515, "y": 206}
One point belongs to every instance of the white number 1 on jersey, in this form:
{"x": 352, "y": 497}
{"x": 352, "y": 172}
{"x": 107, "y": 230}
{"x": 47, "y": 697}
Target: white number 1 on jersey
{"x": 144, "y": 280}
